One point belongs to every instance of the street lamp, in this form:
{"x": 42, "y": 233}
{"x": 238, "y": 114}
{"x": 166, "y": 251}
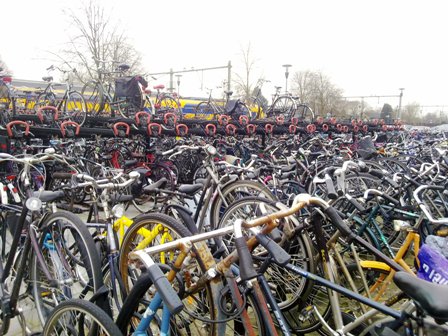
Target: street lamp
{"x": 178, "y": 83}
{"x": 399, "y": 103}
{"x": 286, "y": 66}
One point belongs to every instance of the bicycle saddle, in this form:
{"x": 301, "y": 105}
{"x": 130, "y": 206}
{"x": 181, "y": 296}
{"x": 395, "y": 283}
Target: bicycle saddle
{"x": 190, "y": 189}
{"x": 159, "y": 87}
{"x": 432, "y": 297}
{"x": 47, "y": 79}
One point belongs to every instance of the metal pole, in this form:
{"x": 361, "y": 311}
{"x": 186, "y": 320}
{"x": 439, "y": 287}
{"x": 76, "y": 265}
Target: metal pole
{"x": 399, "y": 104}
{"x": 286, "y": 66}
{"x": 229, "y": 75}
{"x": 171, "y": 88}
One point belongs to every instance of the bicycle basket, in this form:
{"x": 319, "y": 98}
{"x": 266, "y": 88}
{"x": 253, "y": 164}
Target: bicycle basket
{"x": 366, "y": 148}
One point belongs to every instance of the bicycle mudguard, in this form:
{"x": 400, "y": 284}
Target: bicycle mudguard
{"x": 185, "y": 216}
{"x": 372, "y": 264}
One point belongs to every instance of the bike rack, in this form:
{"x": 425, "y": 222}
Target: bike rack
{"x": 292, "y": 129}
{"x": 210, "y": 129}
{"x": 152, "y": 126}
{"x": 142, "y": 116}
{"x": 223, "y": 120}
{"x": 181, "y": 130}
{"x": 120, "y": 133}
{"x": 243, "y": 120}
{"x": 311, "y": 128}
{"x": 42, "y": 117}
{"x": 269, "y": 128}
{"x": 325, "y": 127}
{"x": 67, "y": 132}
{"x": 250, "y": 129}
{"x": 10, "y": 131}
{"x": 169, "y": 119}
{"x": 280, "y": 120}
{"x": 231, "y": 129}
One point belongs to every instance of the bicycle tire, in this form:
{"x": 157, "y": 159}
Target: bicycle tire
{"x": 198, "y": 304}
{"x": 282, "y": 106}
{"x": 201, "y": 303}
{"x": 64, "y": 233}
{"x": 93, "y": 98}
{"x": 92, "y": 319}
{"x": 287, "y": 288}
{"x": 44, "y": 99}
{"x": 149, "y": 222}
{"x": 234, "y": 191}
{"x": 171, "y": 105}
{"x": 74, "y": 108}
{"x": 205, "y": 109}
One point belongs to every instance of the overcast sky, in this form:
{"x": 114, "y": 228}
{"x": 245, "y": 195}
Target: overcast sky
{"x": 365, "y": 47}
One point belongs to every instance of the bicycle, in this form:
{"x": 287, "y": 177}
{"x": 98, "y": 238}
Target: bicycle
{"x": 246, "y": 272}
{"x": 285, "y": 105}
{"x": 52, "y": 251}
{"x": 212, "y": 109}
{"x": 71, "y": 105}
{"x": 100, "y": 93}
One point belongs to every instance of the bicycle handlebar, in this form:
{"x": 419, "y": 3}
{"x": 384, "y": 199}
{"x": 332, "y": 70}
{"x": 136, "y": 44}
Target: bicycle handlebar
{"x": 105, "y": 183}
{"x": 423, "y": 206}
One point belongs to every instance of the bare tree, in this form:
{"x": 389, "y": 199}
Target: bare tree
{"x": 316, "y": 89}
{"x": 411, "y": 113}
{"x": 97, "y": 42}
{"x": 4, "y": 68}
{"x": 246, "y": 82}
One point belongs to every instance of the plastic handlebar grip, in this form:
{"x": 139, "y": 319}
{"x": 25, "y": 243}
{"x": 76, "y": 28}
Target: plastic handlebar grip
{"x": 331, "y": 191}
{"x": 247, "y": 269}
{"x": 280, "y": 256}
{"x": 339, "y": 223}
{"x": 356, "y": 204}
{"x": 390, "y": 199}
{"x": 166, "y": 291}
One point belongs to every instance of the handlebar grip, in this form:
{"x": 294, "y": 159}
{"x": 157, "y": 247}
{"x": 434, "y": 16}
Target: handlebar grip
{"x": 280, "y": 256}
{"x": 166, "y": 291}
{"x": 339, "y": 223}
{"x": 331, "y": 191}
{"x": 376, "y": 173}
{"x": 390, "y": 199}
{"x": 356, "y": 204}
{"x": 247, "y": 269}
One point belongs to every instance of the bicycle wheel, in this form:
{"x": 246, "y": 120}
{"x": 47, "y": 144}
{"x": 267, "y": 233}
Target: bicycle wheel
{"x": 74, "y": 108}
{"x": 234, "y": 191}
{"x": 93, "y": 98}
{"x": 45, "y": 99}
{"x": 200, "y": 314}
{"x": 204, "y": 111}
{"x": 71, "y": 258}
{"x": 283, "y": 106}
{"x": 147, "y": 230}
{"x": 171, "y": 105}
{"x": 79, "y": 317}
{"x": 287, "y": 287}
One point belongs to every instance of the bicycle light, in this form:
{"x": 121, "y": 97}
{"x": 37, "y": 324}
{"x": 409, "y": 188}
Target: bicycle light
{"x": 211, "y": 150}
{"x": 118, "y": 210}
